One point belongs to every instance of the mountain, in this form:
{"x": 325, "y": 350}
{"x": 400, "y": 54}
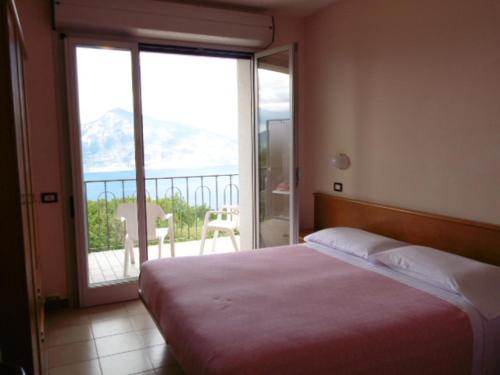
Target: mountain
{"x": 108, "y": 144}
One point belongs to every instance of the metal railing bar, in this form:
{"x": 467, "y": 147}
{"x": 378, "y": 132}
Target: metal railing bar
{"x": 156, "y": 189}
{"x": 172, "y": 197}
{"x": 161, "y": 178}
{"x": 107, "y": 214}
{"x": 231, "y": 190}
{"x": 187, "y": 201}
{"x": 217, "y": 193}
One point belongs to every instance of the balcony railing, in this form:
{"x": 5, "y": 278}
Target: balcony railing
{"x": 188, "y": 198}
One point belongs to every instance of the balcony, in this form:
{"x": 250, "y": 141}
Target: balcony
{"x": 188, "y": 198}
{"x": 107, "y": 265}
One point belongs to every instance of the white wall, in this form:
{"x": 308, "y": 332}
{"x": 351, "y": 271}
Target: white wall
{"x": 410, "y": 91}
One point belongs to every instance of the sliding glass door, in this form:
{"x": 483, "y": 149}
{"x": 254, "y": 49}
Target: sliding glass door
{"x": 155, "y": 172}
{"x": 108, "y": 198}
{"x": 276, "y": 184}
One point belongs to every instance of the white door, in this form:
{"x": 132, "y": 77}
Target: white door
{"x": 104, "y": 100}
{"x": 276, "y": 155}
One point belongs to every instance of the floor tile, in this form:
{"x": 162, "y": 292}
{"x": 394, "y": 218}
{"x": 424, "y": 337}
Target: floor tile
{"x": 107, "y": 312}
{"x": 110, "y": 327}
{"x": 135, "y": 307}
{"x": 126, "y": 363}
{"x": 151, "y": 337}
{"x": 112, "y": 260}
{"x": 82, "y": 368}
{"x": 69, "y": 335}
{"x": 72, "y": 353}
{"x": 110, "y": 345}
{"x": 142, "y": 321}
{"x": 160, "y": 356}
{"x": 67, "y": 318}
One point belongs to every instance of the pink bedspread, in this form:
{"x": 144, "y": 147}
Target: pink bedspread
{"x": 292, "y": 310}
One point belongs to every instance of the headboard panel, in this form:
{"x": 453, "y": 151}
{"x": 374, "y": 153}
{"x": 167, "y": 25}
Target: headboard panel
{"x": 467, "y": 238}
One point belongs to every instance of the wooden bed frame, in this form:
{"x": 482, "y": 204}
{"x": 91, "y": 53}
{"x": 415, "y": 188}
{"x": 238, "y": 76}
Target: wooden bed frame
{"x": 470, "y": 239}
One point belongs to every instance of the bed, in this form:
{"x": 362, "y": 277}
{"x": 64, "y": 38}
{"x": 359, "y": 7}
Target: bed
{"x": 314, "y": 309}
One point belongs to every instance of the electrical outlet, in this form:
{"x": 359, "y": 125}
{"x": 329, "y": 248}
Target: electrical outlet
{"x": 48, "y": 197}
{"x": 338, "y": 186}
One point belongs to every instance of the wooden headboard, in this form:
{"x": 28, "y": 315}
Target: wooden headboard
{"x": 467, "y": 238}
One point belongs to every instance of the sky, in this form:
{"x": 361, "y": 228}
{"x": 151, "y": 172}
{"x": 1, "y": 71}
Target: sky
{"x": 193, "y": 90}
{"x": 104, "y": 81}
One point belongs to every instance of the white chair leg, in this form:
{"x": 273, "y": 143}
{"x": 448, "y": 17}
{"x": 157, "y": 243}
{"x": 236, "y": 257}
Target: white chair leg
{"x": 216, "y": 235}
{"x": 172, "y": 244}
{"x": 132, "y": 255}
{"x": 233, "y": 239}
{"x": 160, "y": 246}
{"x": 125, "y": 260}
{"x": 203, "y": 237}
{"x": 171, "y": 237}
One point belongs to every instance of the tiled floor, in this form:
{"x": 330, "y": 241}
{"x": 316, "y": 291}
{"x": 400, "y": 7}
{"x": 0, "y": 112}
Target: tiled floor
{"x": 108, "y": 265}
{"x": 117, "y": 339}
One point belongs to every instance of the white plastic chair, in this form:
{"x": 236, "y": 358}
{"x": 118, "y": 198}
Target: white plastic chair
{"x": 228, "y": 225}
{"x": 127, "y": 212}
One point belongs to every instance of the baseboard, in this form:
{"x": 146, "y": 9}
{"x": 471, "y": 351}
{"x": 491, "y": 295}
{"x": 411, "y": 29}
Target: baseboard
{"x": 56, "y": 303}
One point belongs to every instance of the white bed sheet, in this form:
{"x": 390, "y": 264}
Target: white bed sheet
{"x": 486, "y": 333}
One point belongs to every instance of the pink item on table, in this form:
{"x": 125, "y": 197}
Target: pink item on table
{"x": 283, "y": 186}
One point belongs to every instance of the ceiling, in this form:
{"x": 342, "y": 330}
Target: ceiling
{"x": 296, "y": 8}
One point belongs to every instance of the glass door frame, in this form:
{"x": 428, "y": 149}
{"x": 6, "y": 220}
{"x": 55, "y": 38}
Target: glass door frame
{"x": 294, "y": 171}
{"x": 123, "y": 289}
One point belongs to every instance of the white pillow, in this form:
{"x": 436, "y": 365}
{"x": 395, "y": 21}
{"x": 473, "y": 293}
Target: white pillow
{"x": 478, "y": 282}
{"x": 353, "y": 241}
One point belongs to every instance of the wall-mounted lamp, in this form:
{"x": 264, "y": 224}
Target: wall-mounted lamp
{"x": 341, "y": 161}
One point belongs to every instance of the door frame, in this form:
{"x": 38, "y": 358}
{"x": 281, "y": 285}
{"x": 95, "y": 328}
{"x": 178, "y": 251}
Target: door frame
{"x": 121, "y": 289}
{"x": 294, "y": 170}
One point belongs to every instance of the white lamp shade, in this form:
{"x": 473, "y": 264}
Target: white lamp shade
{"x": 341, "y": 161}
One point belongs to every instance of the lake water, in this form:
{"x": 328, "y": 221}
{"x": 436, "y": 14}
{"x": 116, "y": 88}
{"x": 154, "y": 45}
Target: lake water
{"x": 196, "y": 186}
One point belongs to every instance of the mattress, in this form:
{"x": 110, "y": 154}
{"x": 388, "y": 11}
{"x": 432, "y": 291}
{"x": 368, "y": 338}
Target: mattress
{"x": 296, "y": 310}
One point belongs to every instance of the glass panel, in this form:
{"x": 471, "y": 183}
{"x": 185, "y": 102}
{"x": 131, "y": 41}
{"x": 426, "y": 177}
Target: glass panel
{"x": 190, "y": 126}
{"x": 274, "y": 149}
{"x": 105, "y": 100}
